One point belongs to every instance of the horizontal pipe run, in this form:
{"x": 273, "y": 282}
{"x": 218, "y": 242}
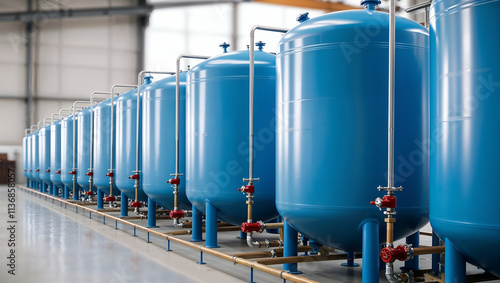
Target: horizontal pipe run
{"x": 425, "y": 233}
{"x": 273, "y": 225}
{"x": 271, "y": 253}
{"x": 428, "y": 250}
{"x": 309, "y": 258}
{"x": 170, "y": 236}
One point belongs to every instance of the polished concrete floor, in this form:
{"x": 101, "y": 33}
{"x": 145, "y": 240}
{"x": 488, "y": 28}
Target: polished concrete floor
{"x": 55, "y": 244}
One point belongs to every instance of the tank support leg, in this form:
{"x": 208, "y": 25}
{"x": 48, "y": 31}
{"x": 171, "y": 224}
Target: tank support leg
{"x": 124, "y": 205}
{"x": 242, "y": 235}
{"x": 350, "y": 260}
{"x": 371, "y": 256}
{"x": 65, "y": 192}
{"x": 151, "y": 213}
{"x": 435, "y": 257}
{"x": 290, "y": 248}
{"x": 100, "y": 196}
{"x": 55, "y": 190}
{"x": 414, "y": 241}
{"x": 76, "y": 195}
{"x": 454, "y": 268}
{"x": 197, "y": 225}
{"x": 211, "y": 226}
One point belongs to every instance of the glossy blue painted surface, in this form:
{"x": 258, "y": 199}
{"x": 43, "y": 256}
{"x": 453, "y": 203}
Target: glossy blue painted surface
{"x": 102, "y": 146}
{"x": 55, "y": 156}
{"x": 217, "y": 135}
{"x": 332, "y": 125}
{"x": 35, "y": 153}
{"x": 126, "y": 127}
{"x": 83, "y": 148}
{"x": 158, "y": 139}
{"x": 67, "y": 150}
{"x": 29, "y": 157}
{"x": 465, "y": 113}
{"x": 25, "y": 155}
{"x": 44, "y": 147}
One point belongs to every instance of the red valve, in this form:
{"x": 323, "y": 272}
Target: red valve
{"x": 134, "y": 177}
{"x": 110, "y": 174}
{"x": 250, "y": 227}
{"x": 48, "y": 170}
{"x": 90, "y": 173}
{"x": 37, "y": 170}
{"x": 72, "y": 172}
{"x": 110, "y": 198}
{"x": 89, "y": 193}
{"x": 174, "y": 181}
{"x": 175, "y": 214}
{"x": 57, "y": 172}
{"x": 386, "y": 201}
{"x": 390, "y": 254}
{"x": 135, "y": 204}
{"x": 31, "y": 170}
{"x": 25, "y": 170}
{"x": 247, "y": 189}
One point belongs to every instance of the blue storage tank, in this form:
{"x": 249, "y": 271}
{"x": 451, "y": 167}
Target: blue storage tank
{"x": 35, "y": 163}
{"x": 126, "y": 130}
{"x": 102, "y": 146}
{"x": 332, "y": 75}
{"x": 55, "y": 156}
{"x": 67, "y": 152}
{"x": 25, "y": 155}
{"x": 83, "y": 148}
{"x": 29, "y": 153}
{"x": 217, "y": 135}
{"x": 44, "y": 146}
{"x": 465, "y": 112}
{"x": 158, "y": 141}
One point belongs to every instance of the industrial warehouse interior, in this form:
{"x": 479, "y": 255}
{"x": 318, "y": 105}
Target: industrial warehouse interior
{"x": 249, "y": 141}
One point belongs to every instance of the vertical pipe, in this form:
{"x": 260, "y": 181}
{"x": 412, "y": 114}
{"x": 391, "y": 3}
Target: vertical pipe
{"x": 151, "y": 213}
{"x": 392, "y": 51}
{"x": 55, "y": 190}
{"x": 290, "y": 237}
{"x": 414, "y": 241}
{"x": 211, "y": 226}
{"x": 454, "y": 268}
{"x": 370, "y": 251}
{"x": 435, "y": 257}
{"x": 123, "y": 205}
{"x": 65, "y": 192}
{"x": 197, "y": 225}
{"x": 234, "y": 26}
{"x": 350, "y": 260}
{"x": 100, "y": 202}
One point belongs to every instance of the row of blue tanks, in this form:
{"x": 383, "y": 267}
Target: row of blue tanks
{"x": 320, "y": 133}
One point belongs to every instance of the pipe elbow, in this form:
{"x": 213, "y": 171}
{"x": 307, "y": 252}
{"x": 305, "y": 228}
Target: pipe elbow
{"x": 251, "y": 243}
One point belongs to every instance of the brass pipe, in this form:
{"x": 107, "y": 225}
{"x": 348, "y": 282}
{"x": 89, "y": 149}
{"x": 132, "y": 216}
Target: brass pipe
{"x": 271, "y": 253}
{"x": 428, "y": 250}
{"x": 273, "y": 225}
{"x": 297, "y": 259}
{"x": 425, "y": 233}
{"x": 390, "y": 229}
{"x": 169, "y": 236}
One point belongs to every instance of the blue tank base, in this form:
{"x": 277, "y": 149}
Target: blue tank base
{"x": 290, "y": 248}
{"x": 350, "y": 260}
{"x": 65, "y": 192}
{"x": 124, "y": 206}
{"x": 197, "y": 225}
{"x": 55, "y": 191}
{"x": 43, "y": 188}
{"x": 242, "y": 235}
{"x": 435, "y": 257}
{"x": 76, "y": 192}
{"x": 455, "y": 264}
{"x": 371, "y": 252}
{"x": 151, "y": 214}
{"x": 211, "y": 226}
{"x": 100, "y": 201}
{"x": 414, "y": 241}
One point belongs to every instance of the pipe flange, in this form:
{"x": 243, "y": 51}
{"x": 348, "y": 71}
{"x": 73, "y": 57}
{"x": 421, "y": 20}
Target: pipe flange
{"x": 267, "y": 243}
{"x": 273, "y": 254}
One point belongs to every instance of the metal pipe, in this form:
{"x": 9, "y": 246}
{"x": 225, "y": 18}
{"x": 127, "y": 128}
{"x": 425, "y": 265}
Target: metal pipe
{"x": 392, "y": 52}
{"x": 251, "y": 179}
{"x": 428, "y": 250}
{"x": 27, "y": 131}
{"x": 52, "y": 117}
{"x": 140, "y": 78}
{"x": 111, "y": 170}
{"x": 67, "y": 111}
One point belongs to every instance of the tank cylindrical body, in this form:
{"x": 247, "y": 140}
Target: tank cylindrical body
{"x": 126, "y": 129}
{"x": 102, "y": 145}
{"x": 465, "y": 112}
{"x": 55, "y": 154}
{"x": 332, "y": 99}
{"x": 44, "y": 147}
{"x": 217, "y": 135}
{"x": 67, "y": 150}
{"x": 29, "y": 156}
{"x": 25, "y": 155}
{"x": 35, "y": 153}
{"x": 83, "y": 148}
{"x": 158, "y": 141}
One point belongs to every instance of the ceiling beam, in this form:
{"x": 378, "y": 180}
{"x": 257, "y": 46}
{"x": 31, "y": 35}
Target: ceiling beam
{"x": 312, "y": 4}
